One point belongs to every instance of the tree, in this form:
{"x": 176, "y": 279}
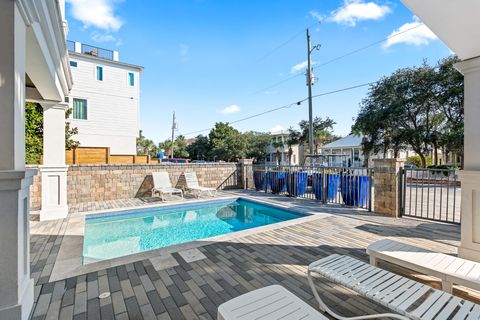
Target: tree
{"x": 451, "y": 99}
{"x": 180, "y": 147}
{"x": 322, "y": 128}
{"x": 418, "y": 107}
{"x": 257, "y": 143}
{"x": 34, "y": 133}
{"x": 200, "y": 148}
{"x": 227, "y": 143}
{"x": 146, "y": 146}
{"x": 70, "y": 132}
{"x": 294, "y": 138}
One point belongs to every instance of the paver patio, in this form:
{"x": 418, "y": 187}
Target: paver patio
{"x": 191, "y": 285}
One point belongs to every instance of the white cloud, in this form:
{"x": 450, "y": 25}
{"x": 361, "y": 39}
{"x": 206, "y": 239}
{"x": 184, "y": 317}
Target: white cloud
{"x": 300, "y": 66}
{"x": 354, "y": 11}
{"x": 420, "y": 35}
{"x": 277, "y": 128}
{"x": 315, "y": 14}
{"x": 96, "y": 13}
{"x": 230, "y": 109}
{"x": 105, "y": 37}
{"x": 184, "y": 50}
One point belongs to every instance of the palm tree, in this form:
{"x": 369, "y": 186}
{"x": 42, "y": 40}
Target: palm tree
{"x": 277, "y": 145}
{"x": 294, "y": 138}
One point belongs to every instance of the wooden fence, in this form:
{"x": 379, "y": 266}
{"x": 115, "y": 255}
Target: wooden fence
{"x": 101, "y": 155}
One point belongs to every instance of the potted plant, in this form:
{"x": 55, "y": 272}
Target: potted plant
{"x": 354, "y": 189}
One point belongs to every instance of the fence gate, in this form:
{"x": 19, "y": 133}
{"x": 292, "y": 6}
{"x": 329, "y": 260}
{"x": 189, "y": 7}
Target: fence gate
{"x": 432, "y": 194}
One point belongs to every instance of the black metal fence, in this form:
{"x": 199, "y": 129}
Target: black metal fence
{"x": 432, "y": 194}
{"x": 233, "y": 181}
{"x": 342, "y": 185}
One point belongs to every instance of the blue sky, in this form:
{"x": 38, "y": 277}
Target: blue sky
{"x": 216, "y": 60}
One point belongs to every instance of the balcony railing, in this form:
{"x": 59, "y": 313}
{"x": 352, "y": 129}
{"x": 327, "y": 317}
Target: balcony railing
{"x": 71, "y": 46}
{"x": 91, "y": 50}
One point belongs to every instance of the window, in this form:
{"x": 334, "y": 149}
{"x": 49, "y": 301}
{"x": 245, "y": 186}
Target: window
{"x": 79, "y": 109}
{"x": 131, "y": 79}
{"x": 73, "y": 64}
{"x": 99, "y": 73}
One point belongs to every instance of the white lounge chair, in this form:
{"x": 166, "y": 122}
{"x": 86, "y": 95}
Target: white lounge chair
{"x": 269, "y": 303}
{"x": 449, "y": 269}
{"x": 162, "y": 185}
{"x": 191, "y": 184}
{"x": 409, "y": 299}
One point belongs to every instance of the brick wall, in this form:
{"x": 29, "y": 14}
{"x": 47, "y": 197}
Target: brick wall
{"x": 110, "y": 182}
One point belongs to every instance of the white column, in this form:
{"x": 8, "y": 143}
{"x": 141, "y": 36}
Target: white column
{"x": 54, "y": 171}
{"x": 470, "y": 176}
{"x": 16, "y": 286}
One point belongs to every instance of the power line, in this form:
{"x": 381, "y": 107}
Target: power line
{"x": 269, "y": 53}
{"x": 365, "y": 47}
{"x": 338, "y": 58}
{"x": 286, "y": 106}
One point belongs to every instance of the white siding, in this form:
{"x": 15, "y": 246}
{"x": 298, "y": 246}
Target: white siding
{"x": 112, "y": 105}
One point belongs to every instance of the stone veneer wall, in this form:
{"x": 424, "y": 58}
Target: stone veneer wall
{"x": 110, "y": 182}
{"x": 387, "y": 184}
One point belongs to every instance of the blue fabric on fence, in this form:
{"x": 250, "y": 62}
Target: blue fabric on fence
{"x": 259, "y": 180}
{"x": 354, "y": 190}
{"x": 297, "y": 183}
{"x": 277, "y": 181}
{"x": 332, "y": 185}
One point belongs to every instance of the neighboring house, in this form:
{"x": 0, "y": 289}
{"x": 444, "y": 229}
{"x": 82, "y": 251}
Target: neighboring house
{"x": 297, "y": 150}
{"x": 347, "y": 151}
{"x": 105, "y": 98}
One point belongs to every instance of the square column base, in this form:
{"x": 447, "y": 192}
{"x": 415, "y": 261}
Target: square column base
{"x": 24, "y": 307}
{"x": 470, "y": 215}
{"x": 54, "y": 192}
{"x": 16, "y": 286}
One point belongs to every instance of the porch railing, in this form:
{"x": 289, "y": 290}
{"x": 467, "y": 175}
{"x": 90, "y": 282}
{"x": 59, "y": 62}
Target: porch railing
{"x": 351, "y": 186}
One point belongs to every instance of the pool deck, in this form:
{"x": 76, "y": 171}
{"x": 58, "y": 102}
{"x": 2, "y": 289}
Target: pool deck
{"x": 190, "y": 282}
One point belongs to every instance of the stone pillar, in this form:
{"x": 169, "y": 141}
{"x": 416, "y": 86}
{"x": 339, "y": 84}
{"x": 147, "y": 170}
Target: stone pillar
{"x": 470, "y": 176}
{"x": 54, "y": 171}
{"x": 16, "y": 286}
{"x": 387, "y": 186}
{"x": 245, "y": 174}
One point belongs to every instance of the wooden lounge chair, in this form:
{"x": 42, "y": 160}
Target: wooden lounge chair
{"x": 191, "y": 184}
{"x": 269, "y": 303}
{"x": 409, "y": 299}
{"x": 162, "y": 185}
{"x": 451, "y": 270}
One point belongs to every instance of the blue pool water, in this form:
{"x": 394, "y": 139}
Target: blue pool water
{"x": 118, "y": 234}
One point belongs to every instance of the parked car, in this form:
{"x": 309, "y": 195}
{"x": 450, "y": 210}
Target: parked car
{"x": 175, "y": 160}
{"x": 410, "y": 166}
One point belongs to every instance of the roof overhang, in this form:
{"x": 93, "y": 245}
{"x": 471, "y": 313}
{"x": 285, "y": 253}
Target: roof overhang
{"x": 455, "y": 22}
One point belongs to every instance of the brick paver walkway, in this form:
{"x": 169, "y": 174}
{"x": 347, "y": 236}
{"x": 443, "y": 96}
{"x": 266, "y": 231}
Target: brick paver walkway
{"x": 194, "y": 290}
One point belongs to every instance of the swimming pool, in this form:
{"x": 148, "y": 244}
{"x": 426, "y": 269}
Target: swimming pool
{"x": 118, "y": 234}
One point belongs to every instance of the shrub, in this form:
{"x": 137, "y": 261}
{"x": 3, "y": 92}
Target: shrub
{"x": 418, "y": 161}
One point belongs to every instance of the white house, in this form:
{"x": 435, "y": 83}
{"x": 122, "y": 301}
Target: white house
{"x": 297, "y": 150}
{"x": 347, "y": 151}
{"x": 105, "y": 98}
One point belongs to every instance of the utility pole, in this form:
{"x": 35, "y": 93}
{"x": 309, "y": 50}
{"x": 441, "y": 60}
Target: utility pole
{"x": 174, "y": 126}
{"x": 309, "y": 84}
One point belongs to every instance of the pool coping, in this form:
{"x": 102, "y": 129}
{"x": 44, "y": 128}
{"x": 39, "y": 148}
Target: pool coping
{"x": 69, "y": 259}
